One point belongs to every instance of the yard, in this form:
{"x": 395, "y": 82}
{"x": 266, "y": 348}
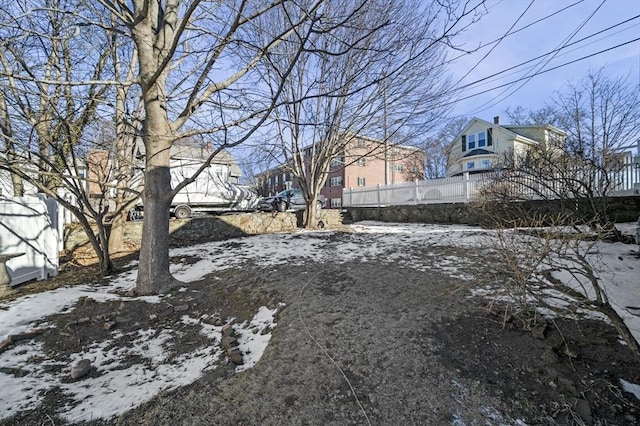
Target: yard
{"x": 374, "y": 324}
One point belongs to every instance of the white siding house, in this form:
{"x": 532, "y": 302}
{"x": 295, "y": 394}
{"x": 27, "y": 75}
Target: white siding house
{"x": 480, "y": 146}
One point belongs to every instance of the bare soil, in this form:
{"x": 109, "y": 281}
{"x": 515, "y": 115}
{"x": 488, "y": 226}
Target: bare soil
{"x": 367, "y": 343}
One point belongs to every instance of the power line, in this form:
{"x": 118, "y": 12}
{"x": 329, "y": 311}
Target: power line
{"x": 497, "y": 43}
{"x": 544, "y": 71}
{"x": 518, "y": 30}
{"x": 526, "y": 79}
{"x": 548, "y": 53}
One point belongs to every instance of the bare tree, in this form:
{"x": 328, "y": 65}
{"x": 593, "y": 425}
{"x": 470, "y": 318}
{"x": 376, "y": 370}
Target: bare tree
{"x": 438, "y": 147}
{"x": 548, "y": 262}
{"x": 599, "y": 115}
{"x": 369, "y": 70}
{"x": 45, "y": 112}
{"x": 196, "y": 61}
{"x": 194, "y": 74}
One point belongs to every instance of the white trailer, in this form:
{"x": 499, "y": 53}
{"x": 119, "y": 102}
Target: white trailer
{"x": 211, "y": 192}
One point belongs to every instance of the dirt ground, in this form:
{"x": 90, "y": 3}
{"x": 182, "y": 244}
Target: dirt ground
{"x": 368, "y": 343}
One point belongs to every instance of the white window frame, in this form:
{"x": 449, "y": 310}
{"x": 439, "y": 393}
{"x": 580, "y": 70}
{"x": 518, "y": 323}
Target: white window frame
{"x": 336, "y": 202}
{"x": 335, "y": 162}
{"x": 471, "y": 141}
{"x": 398, "y": 167}
{"x": 475, "y": 139}
{"x": 336, "y": 181}
{"x": 362, "y": 162}
{"x": 486, "y": 163}
{"x": 361, "y": 181}
{"x": 482, "y": 137}
{"x": 470, "y": 165}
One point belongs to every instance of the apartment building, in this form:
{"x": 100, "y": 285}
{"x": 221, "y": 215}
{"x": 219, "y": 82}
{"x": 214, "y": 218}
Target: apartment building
{"x": 363, "y": 162}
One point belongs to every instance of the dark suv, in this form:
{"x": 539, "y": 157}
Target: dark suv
{"x": 289, "y": 199}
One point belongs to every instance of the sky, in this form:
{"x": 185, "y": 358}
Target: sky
{"x": 132, "y": 374}
{"x": 580, "y": 19}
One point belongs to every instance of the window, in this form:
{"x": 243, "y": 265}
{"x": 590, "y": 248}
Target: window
{"x": 361, "y": 143}
{"x": 336, "y": 162}
{"x": 471, "y": 165}
{"x": 336, "y": 181}
{"x": 485, "y": 164}
{"x": 362, "y": 162}
{"x": 398, "y": 167}
{"x": 336, "y": 202}
{"x": 361, "y": 181}
{"x": 479, "y": 140}
{"x": 482, "y": 141}
{"x": 471, "y": 141}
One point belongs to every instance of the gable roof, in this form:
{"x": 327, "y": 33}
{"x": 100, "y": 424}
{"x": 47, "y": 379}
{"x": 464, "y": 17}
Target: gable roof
{"x": 506, "y": 129}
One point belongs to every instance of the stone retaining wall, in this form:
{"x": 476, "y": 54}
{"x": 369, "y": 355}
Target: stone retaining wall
{"x": 214, "y": 228}
{"x": 622, "y": 209}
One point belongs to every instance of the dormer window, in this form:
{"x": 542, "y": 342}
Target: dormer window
{"x": 482, "y": 140}
{"x": 477, "y": 140}
{"x": 471, "y": 141}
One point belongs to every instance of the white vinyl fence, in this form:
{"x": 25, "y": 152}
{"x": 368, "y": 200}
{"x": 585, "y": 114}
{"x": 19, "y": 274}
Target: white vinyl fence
{"x": 465, "y": 188}
{"x": 458, "y": 189}
{"x": 33, "y": 225}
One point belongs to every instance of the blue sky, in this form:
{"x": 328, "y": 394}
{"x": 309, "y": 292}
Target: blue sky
{"x": 539, "y": 39}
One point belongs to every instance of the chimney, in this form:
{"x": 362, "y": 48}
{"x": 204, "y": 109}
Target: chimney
{"x": 496, "y": 119}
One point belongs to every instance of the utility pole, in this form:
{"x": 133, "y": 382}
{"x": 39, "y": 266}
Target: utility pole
{"x": 384, "y": 129}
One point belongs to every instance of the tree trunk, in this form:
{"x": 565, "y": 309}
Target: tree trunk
{"x": 153, "y": 273}
{"x": 7, "y": 136}
{"x": 151, "y": 42}
{"x": 116, "y": 236}
{"x": 311, "y": 214}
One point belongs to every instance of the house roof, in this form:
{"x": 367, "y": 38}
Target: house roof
{"x": 506, "y": 129}
{"x": 478, "y": 151}
{"x": 535, "y": 126}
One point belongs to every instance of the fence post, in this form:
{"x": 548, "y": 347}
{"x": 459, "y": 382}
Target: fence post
{"x": 465, "y": 187}
{"x": 415, "y": 192}
{"x": 378, "y": 193}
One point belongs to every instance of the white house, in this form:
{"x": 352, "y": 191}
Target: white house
{"x": 481, "y": 144}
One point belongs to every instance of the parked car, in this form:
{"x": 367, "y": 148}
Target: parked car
{"x": 289, "y": 199}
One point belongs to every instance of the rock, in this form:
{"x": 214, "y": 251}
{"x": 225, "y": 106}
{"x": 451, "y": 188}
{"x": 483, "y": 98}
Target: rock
{"x": 549, "y": 357}
{"x": 109, "y": 325}
{"x": 227, "y": 329}
{"x": 153, "y": 317}
{"x": 165, "y": 312}
{"x": 235, "y": 356}
{"x": 181, "y": 308}
{"x": 539, "y": 330}
{"x": 26, "y": 335}
{"x": 228, "y": 342}
{"x": 82, "y": 321}
{"x": 583, "y": 409}
{"x": 4, "y": 345}
{"x": 555, "y": 339}
{"x": 80, "y": 369}
{"x": 567, "y": 385}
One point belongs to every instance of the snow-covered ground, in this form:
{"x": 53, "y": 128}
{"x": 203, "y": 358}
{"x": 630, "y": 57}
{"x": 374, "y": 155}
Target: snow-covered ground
{"x": 121, "y": 388}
